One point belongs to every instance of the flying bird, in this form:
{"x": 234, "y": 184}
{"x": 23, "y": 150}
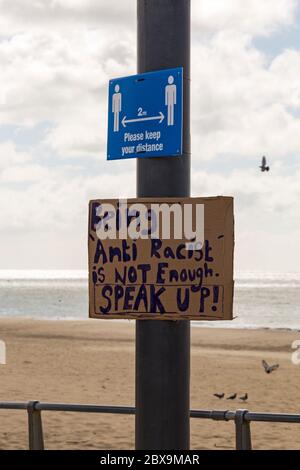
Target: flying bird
{"x": 244, "y": 397}
{"x": 269, "y": 369}
{"x": 219, "y": 395}
{"x": 232, "y": 397}
{"x": 264, "y": 166}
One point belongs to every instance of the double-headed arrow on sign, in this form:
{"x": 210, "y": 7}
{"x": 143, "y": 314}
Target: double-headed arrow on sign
{"x": 159, "y": 118}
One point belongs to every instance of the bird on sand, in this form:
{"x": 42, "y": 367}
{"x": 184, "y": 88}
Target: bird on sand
{"x": 232, "y": 397}
{"x": 219, "y": 395}
{"x": 269, "y": 369}
{"x": 244, "y": 397}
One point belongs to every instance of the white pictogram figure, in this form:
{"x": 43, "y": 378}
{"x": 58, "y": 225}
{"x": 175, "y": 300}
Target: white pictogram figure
{"x": 117, "y": 107}
{"x": 170, "y": 99}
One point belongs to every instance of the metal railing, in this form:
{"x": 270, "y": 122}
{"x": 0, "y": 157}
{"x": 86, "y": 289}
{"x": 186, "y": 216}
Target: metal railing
{"x": 241, "y": 418}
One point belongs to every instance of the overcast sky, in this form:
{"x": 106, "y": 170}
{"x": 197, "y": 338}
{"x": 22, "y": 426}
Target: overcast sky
{"x": 56, "y": 57}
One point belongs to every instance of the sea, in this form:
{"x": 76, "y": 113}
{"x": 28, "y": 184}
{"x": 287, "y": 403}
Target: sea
{"x": 261, "y": 300}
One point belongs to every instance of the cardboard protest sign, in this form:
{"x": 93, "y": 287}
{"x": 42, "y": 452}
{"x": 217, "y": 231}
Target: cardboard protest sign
{"x": 159, "y": 273}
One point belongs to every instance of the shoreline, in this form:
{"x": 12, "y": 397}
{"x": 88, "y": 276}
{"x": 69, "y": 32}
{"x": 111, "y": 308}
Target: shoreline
{"x": 194, "y": 323}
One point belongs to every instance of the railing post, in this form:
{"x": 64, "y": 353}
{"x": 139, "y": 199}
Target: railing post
{"x": 242, "y": 431}
{"x": 35, "y": 427}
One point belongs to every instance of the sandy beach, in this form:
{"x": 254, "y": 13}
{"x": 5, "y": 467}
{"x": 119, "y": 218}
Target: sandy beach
{"x": 93, "y": 362}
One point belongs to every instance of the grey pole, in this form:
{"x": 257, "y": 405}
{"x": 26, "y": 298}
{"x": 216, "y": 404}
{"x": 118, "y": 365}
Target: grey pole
{"x": 163, "y": 347}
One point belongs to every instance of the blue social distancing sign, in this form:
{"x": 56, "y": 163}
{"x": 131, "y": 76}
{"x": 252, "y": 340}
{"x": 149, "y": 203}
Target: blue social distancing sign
{"x": 145, "y": 115}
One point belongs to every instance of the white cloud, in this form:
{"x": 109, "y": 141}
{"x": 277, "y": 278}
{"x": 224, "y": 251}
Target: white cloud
{"x": 247, "y": 16}
{"x": 24, "y": 174}
{"x": 265, "y": 194}
{"x": 53, "y": 200}
{"x": 10, "y": 156}
{"x": 241, "y": 104}
{"x": 63, "y": 79}
{"x": 266, "y": 215}
{"x": 19, "y": 15}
